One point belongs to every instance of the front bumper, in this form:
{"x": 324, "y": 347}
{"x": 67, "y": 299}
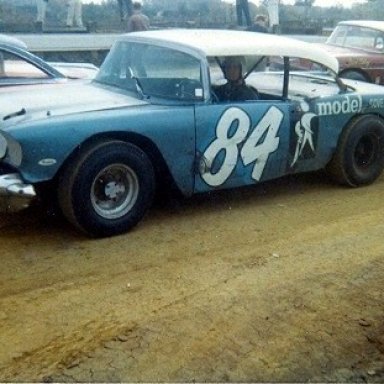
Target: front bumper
{"x": 15, "y": 195}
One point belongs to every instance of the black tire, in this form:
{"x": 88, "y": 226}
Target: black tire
{"x": 359, "y": 157}
{"x": 355, "y": 75}
{"x": 107, "y": 189}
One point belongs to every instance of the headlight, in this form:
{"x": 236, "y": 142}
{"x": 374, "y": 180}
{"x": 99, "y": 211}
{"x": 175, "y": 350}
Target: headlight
{"x": 10, "y": 150}
{"x": 3, "y": 146}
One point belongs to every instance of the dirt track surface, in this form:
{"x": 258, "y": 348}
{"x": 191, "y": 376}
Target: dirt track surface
{"x": 278, "y": 282}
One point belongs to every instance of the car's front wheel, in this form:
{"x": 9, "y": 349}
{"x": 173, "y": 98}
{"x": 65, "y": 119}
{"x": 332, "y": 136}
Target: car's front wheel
{"x": 107, "y": 189}
{"x": 359, "y": 157}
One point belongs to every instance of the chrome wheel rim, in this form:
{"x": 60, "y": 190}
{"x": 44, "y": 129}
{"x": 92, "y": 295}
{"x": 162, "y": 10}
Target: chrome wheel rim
{"x": 114, "y": 191}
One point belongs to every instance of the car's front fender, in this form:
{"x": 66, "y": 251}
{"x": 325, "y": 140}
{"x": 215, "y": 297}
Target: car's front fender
{"x": 47, "y": 144}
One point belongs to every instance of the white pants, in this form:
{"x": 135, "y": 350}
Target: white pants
{"x": 41, "y": 9}
{"x": 273, "y": 12}
{"x": 74, "y": 15}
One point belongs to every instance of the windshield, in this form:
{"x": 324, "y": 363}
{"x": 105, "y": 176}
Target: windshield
{"x": 357, "y": 37}
{"x": 152, "y": 71}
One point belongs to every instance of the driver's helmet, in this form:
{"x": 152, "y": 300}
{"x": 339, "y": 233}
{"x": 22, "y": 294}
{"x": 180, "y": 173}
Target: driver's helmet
{"x": 233, "y": 61}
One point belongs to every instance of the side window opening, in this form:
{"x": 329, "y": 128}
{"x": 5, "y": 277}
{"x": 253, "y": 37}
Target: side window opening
{"x": 307, "y": 79}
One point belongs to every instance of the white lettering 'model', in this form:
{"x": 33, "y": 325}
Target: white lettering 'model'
{"x": 349, "y": 104}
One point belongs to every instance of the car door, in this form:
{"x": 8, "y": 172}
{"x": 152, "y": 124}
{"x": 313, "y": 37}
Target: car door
{"x": 241, "y": 143}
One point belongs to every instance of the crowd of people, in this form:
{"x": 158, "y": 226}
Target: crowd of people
{"x": 130, "y": 13}
{"x": 74, "y": 13}
{"x": 267, "y": 22}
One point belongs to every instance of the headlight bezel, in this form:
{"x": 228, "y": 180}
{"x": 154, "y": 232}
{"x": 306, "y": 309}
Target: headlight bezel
{"x": 10, "y": 150}
{"x": 3, "y": 146}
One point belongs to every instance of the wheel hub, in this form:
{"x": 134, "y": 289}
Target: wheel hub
{"x": 113, "y": 190}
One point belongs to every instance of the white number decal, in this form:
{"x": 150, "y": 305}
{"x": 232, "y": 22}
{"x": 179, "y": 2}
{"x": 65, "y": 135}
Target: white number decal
{"x": 258, "y": 152}
{"x": 252, "y": 151}
{"x": 228, "y": 144}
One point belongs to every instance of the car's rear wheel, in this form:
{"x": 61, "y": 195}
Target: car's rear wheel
{"x": 359, "y": 157}
{"x": 107, "y": 189}
{"x": 354, "y": 75}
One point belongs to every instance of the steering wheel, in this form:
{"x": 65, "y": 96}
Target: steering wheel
{"x": 186, "y": 88}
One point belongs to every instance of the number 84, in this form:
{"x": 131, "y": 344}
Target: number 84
{"x": 253, "y": 149}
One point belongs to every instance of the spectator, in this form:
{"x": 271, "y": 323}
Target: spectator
{"x": 125, "y": 9}
{"x": 137, "y": 21}
{"x": 273, "y": 12}
{"x": 260, "y": 24}
{"x": 74, "y": 15}
{"x": 242, "y": 9}
{"x": 40, "y": 17}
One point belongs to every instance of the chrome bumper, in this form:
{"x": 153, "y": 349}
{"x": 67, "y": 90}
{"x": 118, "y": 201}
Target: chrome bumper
{"x": 14, "y": 194}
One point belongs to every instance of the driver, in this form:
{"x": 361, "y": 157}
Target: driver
{"x": 235, "y": 88}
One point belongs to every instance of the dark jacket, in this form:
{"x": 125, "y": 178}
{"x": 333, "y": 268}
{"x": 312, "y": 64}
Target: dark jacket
{"x": 257, "y": 28}
{"x": 235, "y": 92}
{"x": 138, "y": 22}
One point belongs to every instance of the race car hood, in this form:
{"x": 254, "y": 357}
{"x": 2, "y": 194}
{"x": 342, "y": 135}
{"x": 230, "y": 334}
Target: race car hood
{"x": 44, "y": 100}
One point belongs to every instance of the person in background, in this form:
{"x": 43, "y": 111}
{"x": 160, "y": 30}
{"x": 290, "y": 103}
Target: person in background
{"x": 235, "y": 88}
{"x": 273, "y": 12}
{"x": 125, "y": 9}
{"x": 137, "y": 21}
{"x": 260, "y": 24}
{"x": 242, "y": 9}
{"x": 74, "y": 15}
{"x": 41, "y": 11}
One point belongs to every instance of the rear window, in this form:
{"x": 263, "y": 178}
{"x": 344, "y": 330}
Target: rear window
{"x": 357, "y": 37}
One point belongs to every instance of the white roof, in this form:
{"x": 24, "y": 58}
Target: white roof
{"x": 379, "y": 25}
{"x": 217, "y": 42}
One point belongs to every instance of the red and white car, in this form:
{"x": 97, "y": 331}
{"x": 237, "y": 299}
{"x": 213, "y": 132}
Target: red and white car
{"x": 358, "y": 45}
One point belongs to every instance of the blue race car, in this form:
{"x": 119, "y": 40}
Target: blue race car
{"x": 211, "y": 109}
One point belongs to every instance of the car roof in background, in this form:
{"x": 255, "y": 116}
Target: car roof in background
{"x": 12, "y": 41}
{"x": 219, "y": 42}
{"x": 379, "y": 25}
